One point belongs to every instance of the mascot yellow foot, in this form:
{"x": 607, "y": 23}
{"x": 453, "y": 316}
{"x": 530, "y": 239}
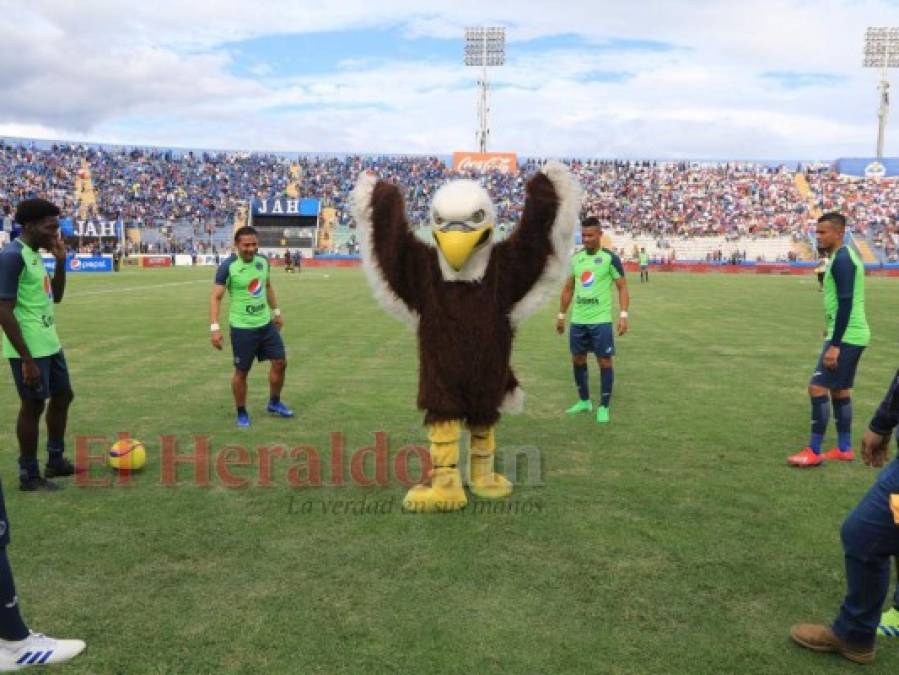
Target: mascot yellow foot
{"x": 445, "y": 493}
{"x": 485, "y": 482}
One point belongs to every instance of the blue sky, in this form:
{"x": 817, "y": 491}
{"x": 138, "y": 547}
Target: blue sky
{"x": 311, "y": 53}
{"x": 655, "y": 78}
{"x": 295, "y": 54}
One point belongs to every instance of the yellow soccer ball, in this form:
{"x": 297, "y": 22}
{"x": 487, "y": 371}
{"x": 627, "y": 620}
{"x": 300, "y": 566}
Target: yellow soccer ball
{"x": 127, "y": 454}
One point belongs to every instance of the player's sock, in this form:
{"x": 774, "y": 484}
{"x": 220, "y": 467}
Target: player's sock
{"x": 55, "y": 449}
{"x": 582, "y": 380}
{"x": 842, "y": 417}
{"x": 820, "y": 417}
{"x": 606, "y": 380}
{"x": 28, "y": 468}
{"x": 12, "y": 627}
{"x": 241, "y": 410}
{"x": 274, "y": 400}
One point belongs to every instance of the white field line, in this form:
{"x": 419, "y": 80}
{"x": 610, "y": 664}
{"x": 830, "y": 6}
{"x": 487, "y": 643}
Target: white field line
{"x": 80, "y": 294}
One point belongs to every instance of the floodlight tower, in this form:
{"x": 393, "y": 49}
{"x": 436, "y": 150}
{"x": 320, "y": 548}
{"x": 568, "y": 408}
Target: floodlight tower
{"x": 484, "y": 47}
{"x": 882, "y": 51}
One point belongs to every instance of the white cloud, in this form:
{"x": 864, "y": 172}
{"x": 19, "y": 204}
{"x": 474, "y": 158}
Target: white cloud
{"x": 153, "y": 74}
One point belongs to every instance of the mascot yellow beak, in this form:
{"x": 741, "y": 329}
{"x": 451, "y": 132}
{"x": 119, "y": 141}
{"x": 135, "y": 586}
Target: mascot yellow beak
{"x": 458, "y": 245}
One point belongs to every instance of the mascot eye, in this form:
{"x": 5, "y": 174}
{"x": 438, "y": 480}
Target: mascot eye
{"x": 477, "y": 216}
{"x": 438, "y": 220}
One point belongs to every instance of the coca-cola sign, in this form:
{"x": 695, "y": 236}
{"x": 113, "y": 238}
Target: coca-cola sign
{"x": 484, "y": 162}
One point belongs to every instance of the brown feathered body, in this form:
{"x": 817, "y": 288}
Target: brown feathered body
{"x": 465, "y": 328}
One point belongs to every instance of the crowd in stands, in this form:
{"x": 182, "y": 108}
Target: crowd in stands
{"x": 28, "y": 172}
{"x": 692, "y": 199}
{"x": 155, "y": 188}
{"x": 871, "y": 206}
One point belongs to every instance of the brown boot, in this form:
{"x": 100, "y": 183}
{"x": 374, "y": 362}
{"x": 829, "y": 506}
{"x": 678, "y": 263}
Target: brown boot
{"x": 822, "y": 639}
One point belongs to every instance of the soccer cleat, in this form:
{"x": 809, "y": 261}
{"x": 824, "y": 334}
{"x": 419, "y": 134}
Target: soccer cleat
{"x": 37, "y": 650}
{"x": 59, "y": 467}
{"x": 579, "y": 407}
{"x": 243, "y": 420}
{"x": 839, "y": 455}
{"x": 807, "y": 457}
{"x": 822, "y": 639}
{"x": 36, "y": 484}
{"x": 889, "y": 623}
{"x": 602, "y": 415}
{"x": 279, "y": 409}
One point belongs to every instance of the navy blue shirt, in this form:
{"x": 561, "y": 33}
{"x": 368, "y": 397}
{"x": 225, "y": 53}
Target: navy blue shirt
{"x": 887, "y": 416}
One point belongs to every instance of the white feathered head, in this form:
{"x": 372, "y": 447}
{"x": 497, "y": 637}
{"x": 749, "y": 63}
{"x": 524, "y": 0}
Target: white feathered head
{"x": 462, "y": 222}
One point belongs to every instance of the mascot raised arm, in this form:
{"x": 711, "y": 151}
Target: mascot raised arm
{"x": 464, "y": 294}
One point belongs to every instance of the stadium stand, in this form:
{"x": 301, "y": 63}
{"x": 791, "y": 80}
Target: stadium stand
{"x": 690, "y": 211}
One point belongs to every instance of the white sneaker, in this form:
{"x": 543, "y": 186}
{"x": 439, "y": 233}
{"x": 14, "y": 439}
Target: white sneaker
{"x": 37, "y": 650}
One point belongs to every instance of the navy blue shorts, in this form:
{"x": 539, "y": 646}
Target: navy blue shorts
{"x": 263, "y": 343}
{"x": 598, "y": 338}
{"x": 844, "y": 375}
{"x": 54, "y": 377}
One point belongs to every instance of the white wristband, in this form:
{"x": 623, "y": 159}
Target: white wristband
{"x": 214, "y": 327}
{"x": 562, "y": 316}
{"x": 276, "y": 311}
{"x": 623, "y": 315}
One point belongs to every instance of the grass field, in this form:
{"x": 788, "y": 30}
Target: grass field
{"x": 674, "y": 540}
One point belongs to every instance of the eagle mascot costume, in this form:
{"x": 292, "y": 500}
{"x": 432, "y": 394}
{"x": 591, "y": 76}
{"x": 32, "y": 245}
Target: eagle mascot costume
{"x": 464, "y": 294}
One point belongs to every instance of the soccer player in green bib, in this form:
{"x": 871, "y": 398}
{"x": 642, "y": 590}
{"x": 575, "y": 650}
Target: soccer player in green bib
{"x": 255, "y": 321}
{"x": 594, "y": 270}
{"x": 30, "y": 341}
{"x": 846, "y": 336}
{"x": 644, "y": 266}
{"x": 39, "y": 369}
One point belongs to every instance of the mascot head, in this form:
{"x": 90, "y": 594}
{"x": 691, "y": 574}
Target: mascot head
{"x": 462, "y": 222}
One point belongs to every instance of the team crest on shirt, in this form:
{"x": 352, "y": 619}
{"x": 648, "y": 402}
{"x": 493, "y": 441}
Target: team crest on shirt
{"x": 598, "y": 260}
{"x": 587, "y": 279}
{"x": 259, "y": 266}
{"x": 254, "y": 288}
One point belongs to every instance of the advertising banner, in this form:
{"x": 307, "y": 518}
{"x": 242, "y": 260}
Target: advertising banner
{"x": 483, "y": 162}
{"x": 284, "y": 206}
{"x": 156, "y": 261}
{"x": 81, "y": 264}
{"x": 95, "y": 228}
{"x": 868, "y": 167}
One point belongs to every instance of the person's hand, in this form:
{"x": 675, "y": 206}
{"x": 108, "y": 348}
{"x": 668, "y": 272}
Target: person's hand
{"x": 560, "y": 326}
{"x": 216, "y": 338}
{"x": 875, "y": 449}
{"x": 58, "y": 249}
{"x": 622, "y": 326}
{"x": 278, "y": 321}
{"x": 831, "y": 356}
{"x": 31, "y": 374}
